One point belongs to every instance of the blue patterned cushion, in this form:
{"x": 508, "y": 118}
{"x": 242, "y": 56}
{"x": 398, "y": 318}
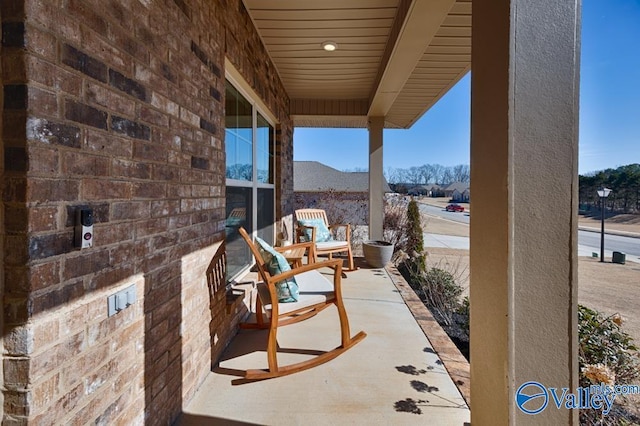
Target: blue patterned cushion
{"x": 287, "y": 290}
{"x": 322, "y": 232}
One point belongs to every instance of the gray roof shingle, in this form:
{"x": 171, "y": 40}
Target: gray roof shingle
{"x": 312, "y": 176}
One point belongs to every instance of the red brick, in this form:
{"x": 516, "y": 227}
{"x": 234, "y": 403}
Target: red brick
{"x": 45, "y": 333}
{"x": 44, "y": 275}
{"x": 40, "y": 42}
{"x": 149, "y": 190}
{"x": 41, "y": 190}
{"x": 165, "y": 208}
{"x": 77, "y": 163}
{"x": 53, "y": 77}
{"x": 50, "y": 16}
{"x": 87, "y": 263}
{"x": 113, "y": 233}
{"x": 148, "y": 151}
{"x": 103, "y": 189}
{"x": 130, "y": 210}
{"x": 104, "y": 52}
{"x": 108, "y": 144}
{"x": 113, "y": 101}
{"x": 131, "y": 169}
{"x": 165, "y": 172}
{"x": 43, "y": 161}
{"x": 152, "y": 116}
{"x": 111, "y": 276}
{"x": 45, "y": 392}
{"x": 86, "y": 14}
{"x": 43, "y": 102}
{"x": 43, "y": 219}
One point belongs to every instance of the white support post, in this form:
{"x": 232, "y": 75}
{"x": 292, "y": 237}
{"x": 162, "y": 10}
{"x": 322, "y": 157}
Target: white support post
{"x": 376, "y": 179}
{"x": 524, "y": 151}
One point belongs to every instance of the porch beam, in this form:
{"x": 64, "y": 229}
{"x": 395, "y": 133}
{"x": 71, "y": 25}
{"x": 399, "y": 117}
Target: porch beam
{"x": 376, "y": 195}
{"x": 414, "y": 27}
{"x": 524, "y": 152}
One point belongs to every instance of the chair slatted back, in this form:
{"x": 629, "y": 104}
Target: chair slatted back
{"x": 217, "y": 270}
{"x": 238, "y": 212}
{"x": 306, "y": 214}
{"x": 262, "y": 269}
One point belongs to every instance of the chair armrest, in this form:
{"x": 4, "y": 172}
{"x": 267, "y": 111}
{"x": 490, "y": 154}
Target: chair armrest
{"x": 336, "y": 265}
{"x": 300, "y": 232}
{"x": 307, "y": 245}
{"x": 343, "y": 225}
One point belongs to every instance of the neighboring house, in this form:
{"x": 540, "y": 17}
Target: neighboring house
{"x": 435, "y": 190}
{"x": 419, "y": 190}
{"x": 344, "y": 195}
{"x": 460, "y": 196}
{"x": 455, "y": 191}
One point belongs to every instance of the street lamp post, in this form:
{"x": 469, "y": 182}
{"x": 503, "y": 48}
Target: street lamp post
{"x": 603, "y": 194}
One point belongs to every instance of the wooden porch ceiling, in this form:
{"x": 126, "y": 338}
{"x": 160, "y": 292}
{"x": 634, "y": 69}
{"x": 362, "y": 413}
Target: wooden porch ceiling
{"x": 395, "y": 58}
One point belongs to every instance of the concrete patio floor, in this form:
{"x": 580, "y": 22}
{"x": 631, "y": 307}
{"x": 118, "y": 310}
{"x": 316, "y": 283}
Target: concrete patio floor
{"x": 393, "y": 376}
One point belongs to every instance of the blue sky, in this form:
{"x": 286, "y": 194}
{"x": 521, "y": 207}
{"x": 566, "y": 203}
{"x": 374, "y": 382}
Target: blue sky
{"x": 609, "y": 107}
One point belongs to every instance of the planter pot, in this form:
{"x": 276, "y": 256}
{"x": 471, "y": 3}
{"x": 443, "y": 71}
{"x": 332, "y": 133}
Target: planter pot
{"x": 377, "y": 253}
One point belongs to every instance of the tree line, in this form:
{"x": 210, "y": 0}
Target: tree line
{"x": 624, "y": 183}
{"x": 429, "y": 173}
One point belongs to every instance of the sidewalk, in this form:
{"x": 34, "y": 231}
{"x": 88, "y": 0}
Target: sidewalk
{"x": 462, "y": 243}
{"x": 610, "y": 232}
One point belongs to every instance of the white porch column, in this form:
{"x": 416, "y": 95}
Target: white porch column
{"x": 524, "y": 151}
{"x": 376, "y": 197}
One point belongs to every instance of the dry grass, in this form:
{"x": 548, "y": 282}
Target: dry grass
{"x": 608, "y": 287}
{"x": 620, "y": 222}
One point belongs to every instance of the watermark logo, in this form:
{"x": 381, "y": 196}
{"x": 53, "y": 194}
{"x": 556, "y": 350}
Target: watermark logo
{"x": 532, "y": 397}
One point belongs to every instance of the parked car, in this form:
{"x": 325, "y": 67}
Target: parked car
{"x": 454, "y": 208}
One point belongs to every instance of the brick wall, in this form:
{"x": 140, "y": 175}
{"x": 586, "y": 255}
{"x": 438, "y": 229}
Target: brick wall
{"x": 2, "y": 220}
{"x": 118, "y": 105}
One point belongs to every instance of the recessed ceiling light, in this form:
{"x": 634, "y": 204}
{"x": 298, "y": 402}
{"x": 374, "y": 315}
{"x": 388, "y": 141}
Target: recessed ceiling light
{"x": 329, "y": 46}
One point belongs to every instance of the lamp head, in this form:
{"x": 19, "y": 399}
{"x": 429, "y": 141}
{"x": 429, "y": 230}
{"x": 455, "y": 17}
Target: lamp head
{"x": 604, "y": 192}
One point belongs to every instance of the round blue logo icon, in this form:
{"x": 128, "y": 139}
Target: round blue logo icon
{"x": 532, "y": 397}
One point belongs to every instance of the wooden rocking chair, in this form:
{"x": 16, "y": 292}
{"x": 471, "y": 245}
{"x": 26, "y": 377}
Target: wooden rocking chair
{"x": 323, "y": 247}
{"x": 316, "y": 294}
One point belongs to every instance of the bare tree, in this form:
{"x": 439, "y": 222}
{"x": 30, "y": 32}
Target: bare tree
{"x": 426, "y": 172}
{"x": 438, "y": 172}
{"x": 447, "y": 175}
{"x": 414, "y": 175}
{"x": 462, "y": 173}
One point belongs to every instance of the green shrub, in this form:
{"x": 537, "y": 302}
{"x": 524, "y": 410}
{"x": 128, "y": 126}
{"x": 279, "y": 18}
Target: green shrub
{"x": 441, "y": 288}
{"x": 464, "y": 311}
{"x": 415, "y": 241}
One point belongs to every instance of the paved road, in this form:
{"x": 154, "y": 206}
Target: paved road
{"x": 588, "y": 242}
{"x": 437, "y": 211}
{"x": 611, "y": 242}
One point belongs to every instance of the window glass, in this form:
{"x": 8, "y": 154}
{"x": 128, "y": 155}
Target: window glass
{"x": 266, "y": 215}
{"x": 238, "y": 204}
{"x": 264, "y": 136}
{"x": 238, "y": 135}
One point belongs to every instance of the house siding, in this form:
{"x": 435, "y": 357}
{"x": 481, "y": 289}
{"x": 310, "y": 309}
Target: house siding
{"x": 119, "y": 106}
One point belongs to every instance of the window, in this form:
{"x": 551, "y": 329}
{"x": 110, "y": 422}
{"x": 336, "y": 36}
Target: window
{"x": 249, "y": 145}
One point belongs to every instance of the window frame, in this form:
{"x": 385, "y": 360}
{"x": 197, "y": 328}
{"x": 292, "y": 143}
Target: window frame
{"x": 258, "y": 107}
